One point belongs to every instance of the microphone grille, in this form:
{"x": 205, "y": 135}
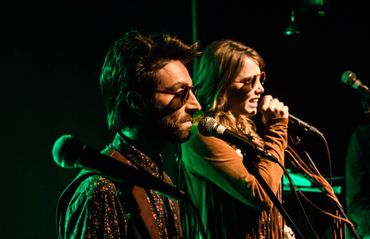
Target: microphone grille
{"x": 66, "y": 151}
{"x": 207, "y": 125}
{"x": 348, "y": 77}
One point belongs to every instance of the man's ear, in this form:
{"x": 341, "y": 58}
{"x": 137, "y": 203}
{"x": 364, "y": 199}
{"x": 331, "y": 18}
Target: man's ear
{"x": 136, "y": 102}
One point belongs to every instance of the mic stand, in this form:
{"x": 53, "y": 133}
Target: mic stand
{"x": 253, "y": 168}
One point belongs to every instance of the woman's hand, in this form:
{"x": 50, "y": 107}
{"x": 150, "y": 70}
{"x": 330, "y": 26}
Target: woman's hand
{"x": 272, "y": 108}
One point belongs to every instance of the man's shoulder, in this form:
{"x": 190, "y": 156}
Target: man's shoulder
{"x": 95, "y": 184}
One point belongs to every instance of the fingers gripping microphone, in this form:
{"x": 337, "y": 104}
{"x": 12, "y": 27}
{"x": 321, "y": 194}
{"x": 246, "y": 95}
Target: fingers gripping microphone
{"x": 68, "y": 152}
{"x": 350, "y": 78}
{"x": 208, "y": 126}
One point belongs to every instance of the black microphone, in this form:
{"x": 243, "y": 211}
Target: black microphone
{"x": 208, "y": 126}
{"x": 68, "y": 152}
{"x": 350, "y": 78}
{"x": 298, "y": 123}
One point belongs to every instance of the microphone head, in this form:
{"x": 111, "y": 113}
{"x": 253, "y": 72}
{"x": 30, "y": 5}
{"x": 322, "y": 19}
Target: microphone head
{"x": 207, "y": 125}
{"x": 348, "y": 77}
{"x": 66, "y": 151}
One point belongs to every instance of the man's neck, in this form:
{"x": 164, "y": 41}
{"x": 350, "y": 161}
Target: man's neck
{"x": 148, "y": 143}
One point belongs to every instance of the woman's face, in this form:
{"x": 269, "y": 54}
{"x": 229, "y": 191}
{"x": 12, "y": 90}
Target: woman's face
{"x": 245, "y": 90}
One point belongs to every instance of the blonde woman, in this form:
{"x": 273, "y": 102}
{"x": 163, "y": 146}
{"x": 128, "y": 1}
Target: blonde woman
{"x": 231, "y": 201}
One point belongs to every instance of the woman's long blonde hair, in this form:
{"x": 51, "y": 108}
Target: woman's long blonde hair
{"x": 220, "y": 64}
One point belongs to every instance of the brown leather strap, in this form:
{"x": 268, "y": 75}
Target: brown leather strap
{"x": 168, "y": 180}
{"x": 140, "y": 197}
{"x": 145, "y": 211}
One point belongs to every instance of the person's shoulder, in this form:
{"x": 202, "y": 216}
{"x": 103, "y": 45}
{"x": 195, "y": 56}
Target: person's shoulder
{"x": 97, "y": 184}
{"x": 91, "y": 186}
{"x": 88, "y": 188}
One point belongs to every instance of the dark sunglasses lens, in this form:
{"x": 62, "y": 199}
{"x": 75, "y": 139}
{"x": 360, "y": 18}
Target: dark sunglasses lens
{"x": 263, "y": 78}
{"x": 254, "y": 80}
{"x": 195, "y": 90}
{"x": 185, "y": 95}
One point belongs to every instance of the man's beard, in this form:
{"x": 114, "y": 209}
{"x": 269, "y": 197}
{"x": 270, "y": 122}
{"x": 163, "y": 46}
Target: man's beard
{"x": 166, "y": 125}
{"x": 174, "y": 134}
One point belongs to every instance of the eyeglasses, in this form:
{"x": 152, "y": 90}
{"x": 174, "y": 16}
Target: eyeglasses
{"x": 180, "y": 96}
{"x": 251, "y": 80}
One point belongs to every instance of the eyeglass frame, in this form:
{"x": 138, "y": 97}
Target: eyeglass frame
{"x": 179, "y": 94}
{"x": 253, "y": 79}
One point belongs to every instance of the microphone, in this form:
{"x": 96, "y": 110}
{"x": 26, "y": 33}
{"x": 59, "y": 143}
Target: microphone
{"x": 350, "y": 78}
{"x": 68, "y": 152}
{"x": 295, "y": 122}
{"x": 208, "y": 126}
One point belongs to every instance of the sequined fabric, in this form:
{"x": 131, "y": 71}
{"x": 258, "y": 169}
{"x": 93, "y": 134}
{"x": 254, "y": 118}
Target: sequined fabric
{"x": 100, "y": 208}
